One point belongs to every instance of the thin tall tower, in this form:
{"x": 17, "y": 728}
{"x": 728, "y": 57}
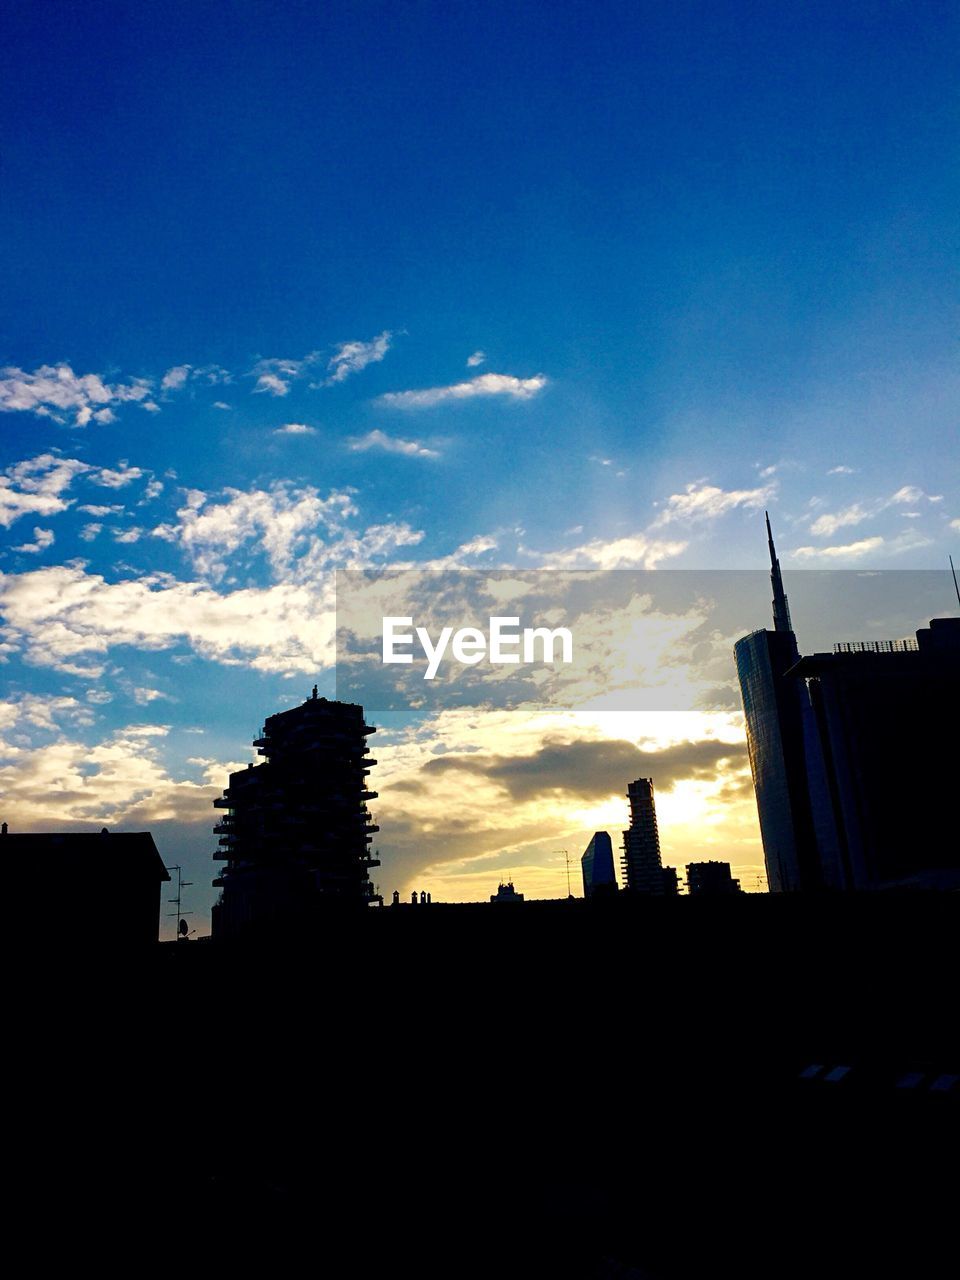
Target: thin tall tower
{"x": 781, "y": 609}
{"x": 785, "y": 757}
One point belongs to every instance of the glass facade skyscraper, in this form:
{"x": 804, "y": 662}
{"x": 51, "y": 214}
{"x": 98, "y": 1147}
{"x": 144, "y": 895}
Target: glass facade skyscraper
{"x": 784, "y": 751}
{"x": 597, "y": 865}
{"x": 854, "y": 755}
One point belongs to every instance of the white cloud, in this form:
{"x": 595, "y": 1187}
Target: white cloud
{"x": 273, "y": 383}
{"x": 66, "y": 618}
{"x": 36, "y": 487}
{"x": 115, "y": 479}
{"x": 955, "y": 524}
{"x": 127, "y": 535}
{"x": 52, "y": 391}
{"x": 637, "y": 551}
{"x": 92, "y": 509}
{"x": 43, "y": 538}
{"x": 351, "y": 357}
{"x": 295, "y": 429}
{"x": 275, "y": 375}
{"x": 909, "y": 493}
{"x": 214, "y": 375}
{"x": 707, "y": 502}
{"x": 848, "y": 551}
{"x": 153, "y": 490}
{"x": 121, "y": 779}
{"x": 175, "y": 378}
{"x": 840, "y": 471}
{"x": 377, "y": 439}
{"x": 39, "y": 711}
{"x": 478, "y": 358}
{"x": 487, "y": 384}
{"x": 826, "y": 525}
{"x": 473, "y": 547}
{"x": 144, "y": 696}
{"x": 89, "y": 531}
{"x": 281, "y": 519}
{"x": 909, "y": 540}
{"x": 221, "y": 404}
{"x": 476, "y": 546}
{"x": 302, "y": 534}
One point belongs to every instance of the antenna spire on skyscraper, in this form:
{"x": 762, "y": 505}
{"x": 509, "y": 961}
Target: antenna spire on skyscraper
{"x": 781, "y": 609}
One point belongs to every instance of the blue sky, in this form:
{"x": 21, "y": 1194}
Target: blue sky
{"x": 659, "y": 266}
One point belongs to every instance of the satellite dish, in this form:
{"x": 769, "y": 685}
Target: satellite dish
{"x": 183, "y": 928}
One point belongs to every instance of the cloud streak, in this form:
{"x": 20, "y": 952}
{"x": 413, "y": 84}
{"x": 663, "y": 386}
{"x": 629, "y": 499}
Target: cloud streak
{"x": 826, "y": 525}
{"x": 352, "y": 357}
{"x": 706, "y": 502}
{"x": 275, "y": 375}
{"x": 485, "y": 385}
{"x": 175, "y": 379}
{"x": 846, "y": 551}
{"x": 592, "y": 770}
{"x": 637, "y": 551}
{"x": 378, "y": 439}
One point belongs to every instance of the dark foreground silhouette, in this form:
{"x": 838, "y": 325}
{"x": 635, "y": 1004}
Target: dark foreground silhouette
{"x": 652, "y": 1088}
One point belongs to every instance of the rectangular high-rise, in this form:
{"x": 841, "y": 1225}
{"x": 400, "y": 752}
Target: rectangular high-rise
{"x": 854, "y": 755}
{"x": 597, "y": 866}
{"x": 887, "y": 716}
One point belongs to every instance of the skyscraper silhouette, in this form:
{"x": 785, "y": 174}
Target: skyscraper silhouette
{"x": 297, "y": 830}
{"x": 781, "y": 607}
{"x": 711, "y": 880}
{"x": 887, "y": 715}
{"x": 597, "y": 865}
{"x": 853, "y": 754}
{"x": 642, "y": 868}
{"x": 784, "y": 753}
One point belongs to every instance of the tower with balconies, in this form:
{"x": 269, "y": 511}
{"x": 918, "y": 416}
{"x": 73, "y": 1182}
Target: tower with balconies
{"x": 642, "y": 867}
{"x": 296, "y": 833}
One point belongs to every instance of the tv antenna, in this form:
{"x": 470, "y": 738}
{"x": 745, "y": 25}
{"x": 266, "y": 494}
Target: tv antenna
{"x": 182, "y": 930}
{"x": 566, "y": 858}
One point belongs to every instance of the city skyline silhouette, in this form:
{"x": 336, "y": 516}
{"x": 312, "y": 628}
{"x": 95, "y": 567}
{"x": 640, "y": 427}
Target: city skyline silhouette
{"x": 627, "y": 323}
